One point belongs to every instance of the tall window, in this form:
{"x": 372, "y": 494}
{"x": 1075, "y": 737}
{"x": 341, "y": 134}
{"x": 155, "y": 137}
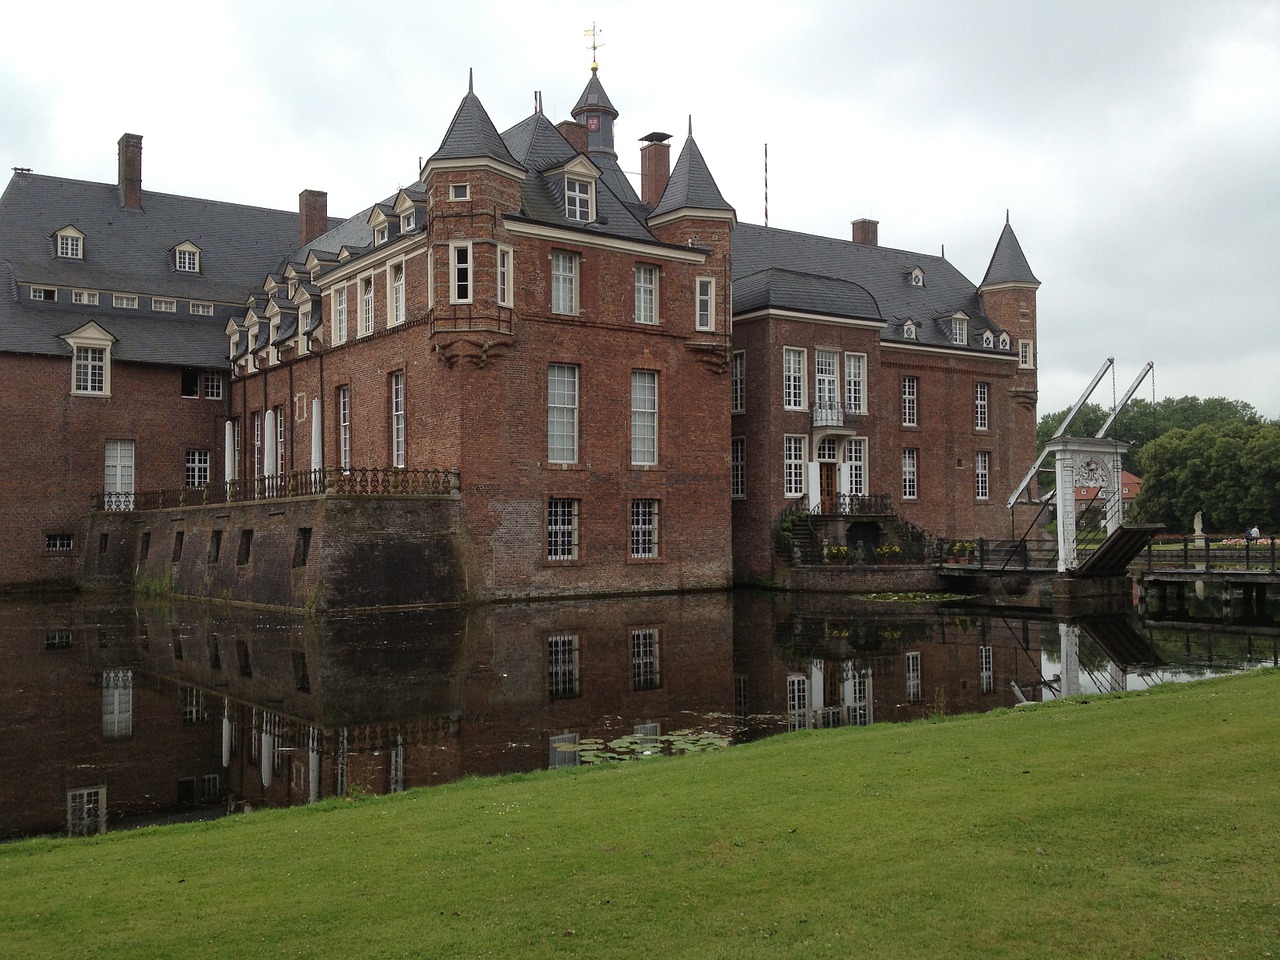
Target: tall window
{"x": 257, "y": 444}
{"x": 910, "y": 401}
{"x": 397, "y": 419}
{"x": 235, "y": 449}
{"x": 793, "y": 460}
{"x": 344, "y": 427}
{"x": 562, "y": 529}
{"x": 340, "y": 315}
{"x": 564, "y": 282}
{"x": 980, "y": 393}
{"x": 855, "y": 382}
{"x": 1025, "y": 358}
{"x": 910, "y": 458}
{"x": 577, "y": 199}
{"x": 793, "y": 393}
{"x": 986, "y": 673}
{"x": 738, "y": 382}
{"x": 797, "y": 702}
{"x": 959, "y": 330}
{"x": 705, "y": 307}
{"x": 366, "y": 306}
{"x": 981, "y": 474}
{"x": 644, "y": 417}
{"x": 855, "y": 453}
{"x": 738, "y": 467}
{"x": 826, "y": 388}
{"x": 197, "y": 468}
{"x": 645, "y": 673}
{"x": 644, "y": 529}
{"x": 562, "y": 413}
{"x": 397, "y": 294}
{"x": 91, "y": 370}
{"x": 505, "y": 298}
{"x": 646, "y": 290}
{"x": 563, "y": 677}
{"x": 460, "y": 273}
{"x": 913, "y": 677}
{"x": 117, "y": 480}
{"x": 280, "y": 445}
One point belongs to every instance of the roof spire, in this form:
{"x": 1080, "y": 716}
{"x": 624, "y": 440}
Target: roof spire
{"x": 691, "y": 124}
{"x": 594, "y": 34}
{"x": 1006, "y": 216}
{"x": 471, "y": 80}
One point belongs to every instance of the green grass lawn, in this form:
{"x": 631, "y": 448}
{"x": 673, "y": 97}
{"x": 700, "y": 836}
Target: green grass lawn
{"x": 1145, "y": 825}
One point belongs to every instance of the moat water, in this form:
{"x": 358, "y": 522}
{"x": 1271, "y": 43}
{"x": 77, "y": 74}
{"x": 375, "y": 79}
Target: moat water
{"x": 117, "y": 711}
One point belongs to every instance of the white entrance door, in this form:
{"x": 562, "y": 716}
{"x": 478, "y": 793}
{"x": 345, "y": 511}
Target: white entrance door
{"x": 117, "y": 481}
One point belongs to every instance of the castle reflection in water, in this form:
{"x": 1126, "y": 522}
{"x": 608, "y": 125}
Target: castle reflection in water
{"x": 117, "y": 711}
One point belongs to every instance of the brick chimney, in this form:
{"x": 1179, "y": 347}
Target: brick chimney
{"x": 313, "y": 215}
{"x": 575, "y": 133}
{"x": 130, "y": 171}
{"x": 655, "y": 167}
{"x": 866, "y": 232}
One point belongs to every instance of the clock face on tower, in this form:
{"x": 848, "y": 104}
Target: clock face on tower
{"x": 1093, "y": 473}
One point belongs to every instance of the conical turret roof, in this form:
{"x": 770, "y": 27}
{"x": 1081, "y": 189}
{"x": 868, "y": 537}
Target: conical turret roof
{"x": 472, "y": 135}
{"x": 691, "y": 184}
{"x": 1008, "y": 263}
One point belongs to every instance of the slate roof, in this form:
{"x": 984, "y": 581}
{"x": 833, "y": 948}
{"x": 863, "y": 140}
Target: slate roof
{"x": 594, "y": 98}
{"x": 801, "y": 271}
{"x": 1008, "y": 263}
{"x": 130, "y": 251}
{"x": 472, "y": 134}
{"x": 691, "y": 184}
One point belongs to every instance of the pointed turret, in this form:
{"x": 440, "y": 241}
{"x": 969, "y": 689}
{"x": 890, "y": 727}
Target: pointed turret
{"x": 472, "y": 136}
{"x": 596, "y": 112}
{"x": 1008, "y": 263}
{"x": 691, "y": 189}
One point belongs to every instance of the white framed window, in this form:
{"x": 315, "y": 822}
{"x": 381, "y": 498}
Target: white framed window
{"x": 793, "y": 380}
{"x": 644, "y": 529}
{"x": 826, "y": 385}
{"x": 164, "y": 305}
{"x": 910, "y": 401}
{"x": 959, "y": 330}
{"x": 87, "y": 811}
{"x": 459, "y": 191}
{"x": 397, "y": 295}
{"x": 797, "y": 702}
{"x": 704, "y": 316}
{"x": 913, "y": 677}
{"x": 564, "y": 282}
{"x": 910, "y": 465}
{"x": 340, "y": 315}
{"x": 738, "y": 467}
{"x": 117, "y": 704}
{"x": 738, "y": 382}
{"x": 644, "y": 417}
{"x": 124, "y": 301}
{"x": 577, "y": 199}
{"x": 855, "y": 454}
{"x": 90, "y": 371}
{"x": 257, "y": 444}
{"x": 981, "y": 475}
{"x": 646, "y": 293}
{"x": 981, "y": 393}
{"x": 235, "y": 449}
{"x": 44, "y": 293}
{"x": 197, "y": 468}
{"x": 344, "y": 427}
{"x": 397, "y": 419}
{"x": 186, "y": 258}
{"x": 562, "y": 413}
{"x": 855, "y": 382}
{"x": 986, "y": 672}
{"x": 88, "y": 298}
{"x": 408, "y": 221}
{"x": 1026, "y": 358}
{"x": 280, "y": 444}
{"x": 646, "y": 673}
{"x": 380, "y": 235}
{"x": 794, "y": 456}
{"x": 117, "y": 478}
{"x": 506, "y": 279}
{"x": 198, "y": 308}
{"x": 460, "y": 272}
{"x": 909, "y": 330}
{"x": 71, "y": 244}
{"x": 366, "y": 306}
{"x": 562, "y": 529}
{"x": 563, "y": 667}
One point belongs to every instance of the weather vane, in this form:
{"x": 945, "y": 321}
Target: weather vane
{"x": 594, "y": 34}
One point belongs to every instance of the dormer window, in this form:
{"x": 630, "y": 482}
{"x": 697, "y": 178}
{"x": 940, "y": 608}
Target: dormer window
{"x": 916, "y": 277}
{"x": 577, "y": 199}
{"x": 70, "y": 244}
{"x": 959, "y": 331}
{"x": 459, "y": 191}
{"x": 987, "y": 339}
{"x": 909, "y": 330}
{"x": 381, "y": 235}
{"x": 408, "y": 221}
{"x": 44, "y": 293}
{"x": 186, "y": 258}
{"x": 1004, "y": 341}
{"x": 91, "y": 361}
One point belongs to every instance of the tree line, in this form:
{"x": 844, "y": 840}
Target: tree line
{"x": 1213, "y": 455}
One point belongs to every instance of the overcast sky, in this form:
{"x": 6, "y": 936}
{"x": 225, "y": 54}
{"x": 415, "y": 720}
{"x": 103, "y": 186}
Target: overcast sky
{"x": 1135, "y": 145}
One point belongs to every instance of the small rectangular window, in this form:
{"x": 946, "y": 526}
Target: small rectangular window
{"x": 199, "y": 309}
{"x": 459, "y": 191}
{"x": 59, "y": 543}
{"x": 1025, "y": 358}
{"x": 705, "y": 308}
{"x": 88, "y": 298}
{"x": 164, "y": 305}
{"x": 124, "y": 301}
{"x": 577, "y": 199}
{"x": 213, "y": 386}
{"x": 197, "y": 468}
{"x": 44, "y": 293}
{"x": 460, "y": 273}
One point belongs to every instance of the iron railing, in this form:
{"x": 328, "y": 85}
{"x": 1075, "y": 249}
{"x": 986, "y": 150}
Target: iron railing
{"x": 1204, "y": 552}
{"x": 326, "y": 481}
